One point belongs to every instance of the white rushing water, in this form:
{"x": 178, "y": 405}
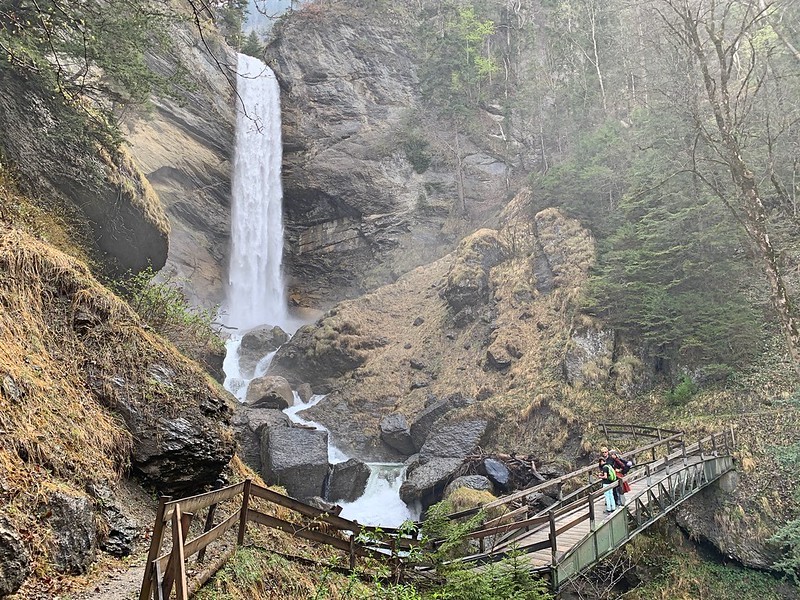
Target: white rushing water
{"x": 380, "y": 504}
{"x": 256, "y": 294}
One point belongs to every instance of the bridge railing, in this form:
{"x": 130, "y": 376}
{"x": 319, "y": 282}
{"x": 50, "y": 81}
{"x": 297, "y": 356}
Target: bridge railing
{"x": 167, "y": 570}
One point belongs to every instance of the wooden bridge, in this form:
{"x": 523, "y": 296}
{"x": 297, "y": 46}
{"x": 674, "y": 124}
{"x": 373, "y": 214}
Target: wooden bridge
{"x": 568, "y": 537}
{"x": 575, "y": 533}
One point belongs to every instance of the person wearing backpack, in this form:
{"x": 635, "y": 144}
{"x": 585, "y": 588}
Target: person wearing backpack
{"x": 621, "y": 468}
{"x": 608, "y": 477}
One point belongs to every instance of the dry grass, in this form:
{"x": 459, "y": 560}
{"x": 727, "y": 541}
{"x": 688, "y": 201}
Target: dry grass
{"x": 134, "y": 187}
{"x": 59, "y": 328}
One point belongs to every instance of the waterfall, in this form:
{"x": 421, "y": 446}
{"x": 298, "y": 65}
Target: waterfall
{"x": 255, "y": 293}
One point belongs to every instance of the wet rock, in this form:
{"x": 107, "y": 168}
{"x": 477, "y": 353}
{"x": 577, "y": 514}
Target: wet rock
{"x": 425, "y": 480}
{"x": 15, "y": 564}
{"x": 258, "y": 343}
{"x": 122, "y": 531}
{"x": 305, "y": 392}
{"x": 269, "y": 392}
{"x": 185, "y": 448}
{"x": 453, "y": 439}
{"x": 473, "y": 482}
{"x": 496, "y": 471}
{"x": 248, "y": 424}
{"x": 71, "y": 519}
{"x": 348, "y": 480}
{"x": 396, "y": 433}
{"x": 422, "y": 424}
{"x": 320, "y": 353}
{"x": 296, "y": 458}
{"x": 418, "y": 321}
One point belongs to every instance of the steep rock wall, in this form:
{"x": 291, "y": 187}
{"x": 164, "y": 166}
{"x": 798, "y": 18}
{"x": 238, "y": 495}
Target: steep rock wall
{"x": 358, "y": 213}
{"x": 185, "y": 147}
{"x": 55, "y": 153}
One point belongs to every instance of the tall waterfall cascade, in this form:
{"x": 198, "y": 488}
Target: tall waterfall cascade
{"x": 255, "y": 293}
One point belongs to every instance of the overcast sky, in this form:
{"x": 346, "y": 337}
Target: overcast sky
{"x": 256, "y": 20}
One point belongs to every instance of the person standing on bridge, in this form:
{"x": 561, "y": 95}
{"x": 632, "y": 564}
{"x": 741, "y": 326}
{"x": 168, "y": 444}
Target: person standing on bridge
{"x": 608, "y": 477}
{"x": 621, "y": 467}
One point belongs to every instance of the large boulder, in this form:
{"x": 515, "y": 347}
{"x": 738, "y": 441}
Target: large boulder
{"x": 396, "y": 433}
{"x": 348, "y": 480}
{"x": 473, "y": 482}
{"x": 320, "y": 353}
{"x": 257, "y": 344}
{"x": 180, "y": 450}
{"x": 248, "y": 424}
{"x": 15, "y": 564}
{"x": 496, "y": 471}
{"x": 296, "y": 458}
{"x": 269, "y": 392}
{"x": 71, "y": 519}
{"x": 424, "y": 421}
{"x": 454, "y": 439}
{"x": 426, "y": 479}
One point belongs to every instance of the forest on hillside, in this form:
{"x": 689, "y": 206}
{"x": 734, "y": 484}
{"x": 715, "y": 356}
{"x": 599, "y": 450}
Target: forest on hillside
{"x": 670, "y": 128}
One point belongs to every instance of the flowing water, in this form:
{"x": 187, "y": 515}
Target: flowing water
{"x": 256, "y": 294}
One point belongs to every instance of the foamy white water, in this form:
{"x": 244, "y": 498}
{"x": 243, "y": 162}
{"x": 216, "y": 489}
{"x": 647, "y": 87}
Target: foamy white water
{"x": 255, "y": 293}
{"x": 380, "y": 505}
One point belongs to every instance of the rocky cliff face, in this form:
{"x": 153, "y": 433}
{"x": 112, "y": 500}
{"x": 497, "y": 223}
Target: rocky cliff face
{"x": 57, "y": 156}
{"x": 185, "y": 148}
{"x": 472, "y": 323}
{"x": 360, "y": 208}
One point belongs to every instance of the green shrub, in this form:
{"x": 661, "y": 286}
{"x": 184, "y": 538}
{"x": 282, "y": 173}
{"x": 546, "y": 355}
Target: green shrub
{"x": 163, "y": 306}
{"x": 682, "y": 392}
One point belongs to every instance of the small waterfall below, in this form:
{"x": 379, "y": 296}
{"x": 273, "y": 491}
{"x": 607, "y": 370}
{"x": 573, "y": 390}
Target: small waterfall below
{"x": 255, "y": 294}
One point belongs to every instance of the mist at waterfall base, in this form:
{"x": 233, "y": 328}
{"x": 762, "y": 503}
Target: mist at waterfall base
{"x": 255, "y": 295}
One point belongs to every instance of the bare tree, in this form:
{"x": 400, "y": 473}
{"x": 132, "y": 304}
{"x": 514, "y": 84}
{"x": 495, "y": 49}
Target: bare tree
{"x": 720, "y": 36}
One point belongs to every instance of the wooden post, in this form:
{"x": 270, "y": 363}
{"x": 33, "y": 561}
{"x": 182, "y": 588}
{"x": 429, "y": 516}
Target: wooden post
{"x": 243, "y": 514}
{"x": 648, "y": 473}
{"x": 733, "y": 441}
{"x": 176, "y": 571}
{"x": 155, "y": 547}
{"x": 605, "y": 433}
{"x": 591, "y": 512}
{"x": 553, "y": 543}
{"x": 714, "y": 444}
{"x": 352, "y": 551}
{"x": 633, "y": 432}
{"x": 683, "y": 446}
{"x": 209, "y": 521}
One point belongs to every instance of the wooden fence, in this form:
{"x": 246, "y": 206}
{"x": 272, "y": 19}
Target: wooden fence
{"x": 167, "y": 571}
